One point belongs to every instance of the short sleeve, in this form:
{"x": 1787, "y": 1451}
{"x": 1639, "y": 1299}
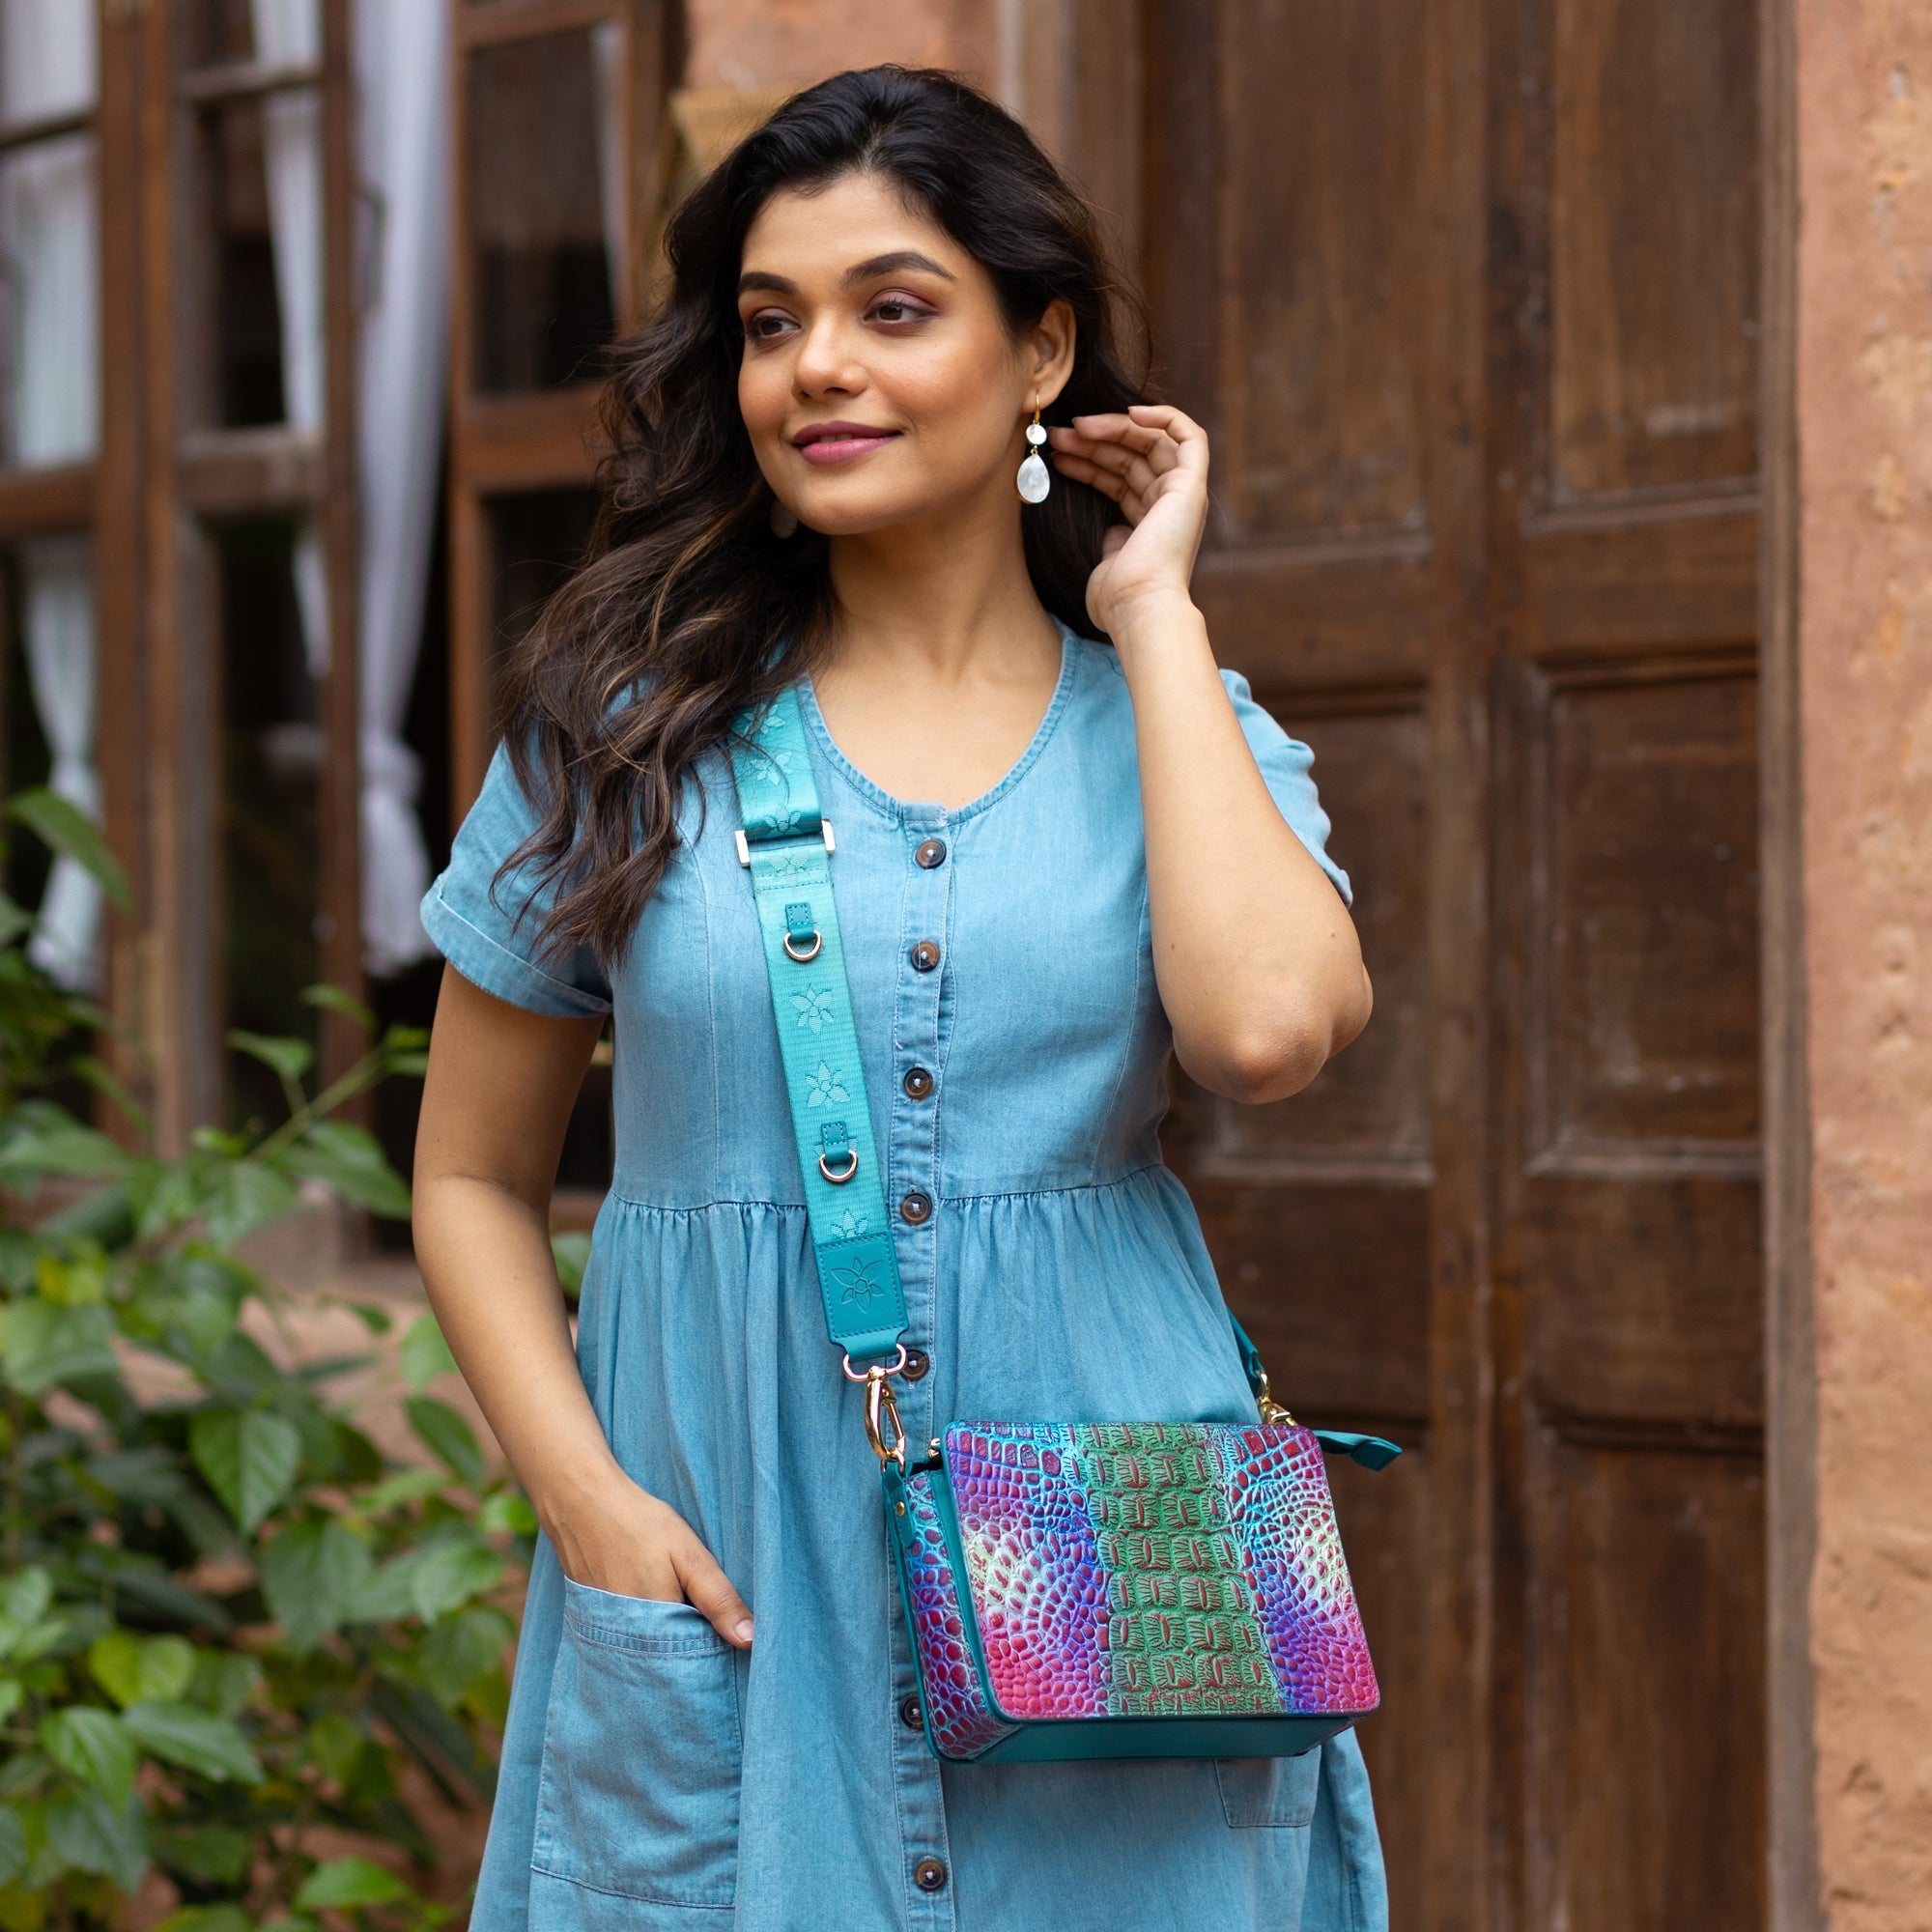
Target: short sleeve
{"x": 487, "y": 928}
{"x": 1285, "y": 763}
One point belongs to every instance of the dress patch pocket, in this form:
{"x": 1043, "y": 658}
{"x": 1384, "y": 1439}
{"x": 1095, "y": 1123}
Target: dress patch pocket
{"x": 1269, "y": 1791}
{"x": 642, "y": 1755}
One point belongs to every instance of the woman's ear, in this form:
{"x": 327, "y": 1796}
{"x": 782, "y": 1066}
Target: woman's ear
{"x": 1050, "y": 352}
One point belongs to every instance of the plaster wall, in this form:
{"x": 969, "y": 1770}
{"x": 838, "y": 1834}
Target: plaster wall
{"x": 1865, "y": 424}
{"x": 758, "y": 45}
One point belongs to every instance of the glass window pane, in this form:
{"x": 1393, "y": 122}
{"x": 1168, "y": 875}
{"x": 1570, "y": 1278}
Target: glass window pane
{"x": 271, "y": 748}
{"x": 545, "y": 206}
{"x": 264, "y": 179}
{"x": 50, "y": 238}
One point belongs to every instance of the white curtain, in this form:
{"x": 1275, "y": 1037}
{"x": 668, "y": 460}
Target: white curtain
{"x": 49, "y": 232}
{"x": 402, "y": 136}
{"x": 59, "y": 639}
{"x": 402, "y": 84}
{"x": 289, "y": 33}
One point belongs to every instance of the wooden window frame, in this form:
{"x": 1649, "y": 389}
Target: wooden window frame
{"x": 507, "y": 445}
{"x": 163, "y": 476}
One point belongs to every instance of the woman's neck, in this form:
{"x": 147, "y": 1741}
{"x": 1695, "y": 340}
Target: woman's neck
{"x": 941, "y": 662}
{"x": 949, "y": 596}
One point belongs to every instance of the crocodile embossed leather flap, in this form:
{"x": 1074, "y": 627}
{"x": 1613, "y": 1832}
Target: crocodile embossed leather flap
{"x": 1147, "y": 1568}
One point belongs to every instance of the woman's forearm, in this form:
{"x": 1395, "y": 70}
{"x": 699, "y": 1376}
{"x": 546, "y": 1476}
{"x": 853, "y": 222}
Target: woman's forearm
{"x": 1255, "y": 954}
{"x": 486, "y": 1261}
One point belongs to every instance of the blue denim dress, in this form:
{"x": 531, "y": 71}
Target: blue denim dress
{"x": 654, "y": 1781}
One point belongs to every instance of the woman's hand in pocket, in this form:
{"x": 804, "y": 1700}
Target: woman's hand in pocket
{"x": 618, "y": 1537}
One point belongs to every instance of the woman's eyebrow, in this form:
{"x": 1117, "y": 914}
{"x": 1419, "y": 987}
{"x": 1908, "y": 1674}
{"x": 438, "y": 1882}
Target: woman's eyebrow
{"x": 886, "y": 264}
{"x": 859, "y": 272}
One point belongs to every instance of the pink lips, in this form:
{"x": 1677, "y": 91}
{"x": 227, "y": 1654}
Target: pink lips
{"x": 839, "y": 441}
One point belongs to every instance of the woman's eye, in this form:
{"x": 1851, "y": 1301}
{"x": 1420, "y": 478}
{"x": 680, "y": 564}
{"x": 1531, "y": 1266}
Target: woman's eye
{"x": 767, "y": 323}
{"x": 898, "y": 308}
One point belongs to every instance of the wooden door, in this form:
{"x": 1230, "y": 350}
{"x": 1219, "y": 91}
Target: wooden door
{"x": 1465, "y": 291}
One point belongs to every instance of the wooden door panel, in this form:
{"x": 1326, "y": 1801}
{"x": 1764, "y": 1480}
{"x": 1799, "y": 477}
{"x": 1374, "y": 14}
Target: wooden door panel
{"x": 1641, "y": 1298}
{"x": 1321, "y": 269}
{"x": 1646, "y": 1663}
{"x": 1653, "y": 245}
{"x": 1643, "y": 1008}
{"x": 1367, "y": 1113}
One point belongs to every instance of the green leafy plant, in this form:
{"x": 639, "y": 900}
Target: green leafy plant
{"x": 230, "y": 1626}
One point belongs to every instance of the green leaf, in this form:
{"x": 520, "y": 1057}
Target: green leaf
{"x": 448, "y": 1573}
{"x": 70, "y": 1149}
{"x": 89, "y": 1744}
{"x": 335, "y": 1743}
{"x": 15, "y": 919}
{"x": 208, "y": 1918}
{"x": 26, "y": 1595}
{"x": 572, "y": 1254}
{"x": 244, "y": 1195}
{"x": 224, "y": 1681}
{"x": 447, "y": 1436}
{"x": 507, "y": 1509}
{"x": 12, "y": 1694}
{"x": 130, "y": 1669}
{"x": 12, "y": 1845}
{"x": 249, "y": 1458}
{"x": 334, "y": 1000}
{"x": 193, "y": 1739}
{"x": 289, "y": 1058}
{"x": 460, "y": 1648}
{"x": 351, "y": 1882}
{"x": 66, "y": 829}
{"x": 387, "y": 1595}
{"x": 353, "y": 1163}
{"x": 92, "y": 1836}
{"x": 311, "y": 1575}
{"x": 406, "y": 1485}
{"x": 378, "y": 1321}
{"x": 425, "y": 1354}
{"x": 45, "y": 1344}
{"x": 217, "y": 1852}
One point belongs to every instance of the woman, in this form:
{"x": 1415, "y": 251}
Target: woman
{"x": 1056, "y": 859}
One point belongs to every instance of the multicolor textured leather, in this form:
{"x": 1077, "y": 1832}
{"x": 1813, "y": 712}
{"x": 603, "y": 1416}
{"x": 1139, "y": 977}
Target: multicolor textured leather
{"x": 1129, "y": 1569}
{"x": 959, "y": 1720}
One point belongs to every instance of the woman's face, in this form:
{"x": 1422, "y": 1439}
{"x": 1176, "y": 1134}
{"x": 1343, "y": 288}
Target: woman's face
{"x": 880, "y": 383}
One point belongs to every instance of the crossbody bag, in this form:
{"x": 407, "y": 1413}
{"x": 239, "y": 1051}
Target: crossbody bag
{"x": 1071, "y": 1589}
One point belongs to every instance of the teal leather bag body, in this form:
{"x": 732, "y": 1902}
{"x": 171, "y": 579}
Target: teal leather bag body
{"x": 1071, "y": 1589}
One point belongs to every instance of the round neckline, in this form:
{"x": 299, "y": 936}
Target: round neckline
{"x": 902, "y": 811}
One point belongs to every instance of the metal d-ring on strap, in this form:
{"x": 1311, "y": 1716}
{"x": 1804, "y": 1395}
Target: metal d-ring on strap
{"x": 786, "y": 845}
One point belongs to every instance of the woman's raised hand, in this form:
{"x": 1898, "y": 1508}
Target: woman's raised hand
{"x": 1152, "y": 461}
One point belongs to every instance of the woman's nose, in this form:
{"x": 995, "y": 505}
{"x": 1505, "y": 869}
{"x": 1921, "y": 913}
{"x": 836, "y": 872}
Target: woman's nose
{"x": 825, "y": 363}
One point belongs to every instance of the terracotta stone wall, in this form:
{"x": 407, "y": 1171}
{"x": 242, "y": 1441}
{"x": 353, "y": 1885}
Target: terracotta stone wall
{"x": 1864, "y": 407}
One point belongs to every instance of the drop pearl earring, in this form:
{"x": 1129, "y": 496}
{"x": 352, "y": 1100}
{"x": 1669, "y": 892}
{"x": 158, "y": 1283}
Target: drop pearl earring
{"x": 782, "y": 522}
{"x": 1035, "y": 478}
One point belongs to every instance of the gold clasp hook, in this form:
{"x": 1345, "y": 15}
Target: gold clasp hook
{"x": 1272, "y": 1411}
{"x": 882, "y": 1408}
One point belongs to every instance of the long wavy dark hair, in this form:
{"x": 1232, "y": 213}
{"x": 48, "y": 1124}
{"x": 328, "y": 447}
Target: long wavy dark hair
{"x": 689, "y": 611}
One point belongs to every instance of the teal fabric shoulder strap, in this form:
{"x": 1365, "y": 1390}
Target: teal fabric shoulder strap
{"x": 787, "y": 847}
